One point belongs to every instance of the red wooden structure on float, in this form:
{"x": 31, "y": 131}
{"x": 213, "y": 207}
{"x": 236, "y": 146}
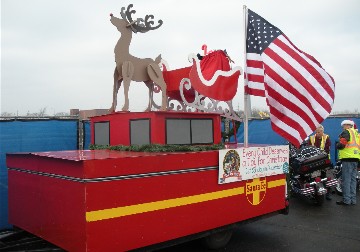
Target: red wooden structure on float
{"x": 104, "y": 200}
{"x": 124, "y": 128}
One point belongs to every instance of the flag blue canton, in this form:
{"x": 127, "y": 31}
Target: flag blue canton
{"x": 260, "y": 33}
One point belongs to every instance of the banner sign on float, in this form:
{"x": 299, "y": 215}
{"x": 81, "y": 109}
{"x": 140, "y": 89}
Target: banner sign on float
{"x": 252, "y": 162}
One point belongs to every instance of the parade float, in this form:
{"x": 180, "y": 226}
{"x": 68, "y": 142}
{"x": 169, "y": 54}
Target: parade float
{"x": 152, "y": 178}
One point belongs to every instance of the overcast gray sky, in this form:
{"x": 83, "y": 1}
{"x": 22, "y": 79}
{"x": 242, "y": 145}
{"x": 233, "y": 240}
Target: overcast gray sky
{"x": 59, "y": 54}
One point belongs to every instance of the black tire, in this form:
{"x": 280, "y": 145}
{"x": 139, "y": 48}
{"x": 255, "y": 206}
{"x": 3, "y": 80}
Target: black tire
{"x": 319, "y": 200}
{"x": 285, "y": 211}
{"x": 338, "y": 187}
{"x": 338, "y": 192}
{"x": 217, "y": 240}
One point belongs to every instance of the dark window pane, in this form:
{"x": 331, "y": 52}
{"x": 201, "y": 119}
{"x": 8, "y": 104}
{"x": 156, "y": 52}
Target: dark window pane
{"x": 140, "y": 132}
{"x": 178, "y": 131}
{"x": 102, "y": 133}
{"x": 202, "y": 131}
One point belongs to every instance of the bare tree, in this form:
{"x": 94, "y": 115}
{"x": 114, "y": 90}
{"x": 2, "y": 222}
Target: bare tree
{"x": 41, "y": 113}
{"x": 259, "y": 113}
{"x": 61, "y": 114}
{"x": 256, "y": 113}
{"x": 346, "y": 112}
{"x": 7, "y": 114}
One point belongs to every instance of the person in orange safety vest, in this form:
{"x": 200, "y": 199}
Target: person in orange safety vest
{"x": 322, "y": 141}
{"x": 349, "y": 154}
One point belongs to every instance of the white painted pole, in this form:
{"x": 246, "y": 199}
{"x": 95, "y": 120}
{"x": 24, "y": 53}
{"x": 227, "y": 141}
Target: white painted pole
{"x": 247, "y": 104}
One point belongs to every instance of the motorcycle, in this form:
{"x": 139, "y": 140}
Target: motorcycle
{"x": 337, "y": 176}
{"x": 308, "y": 168}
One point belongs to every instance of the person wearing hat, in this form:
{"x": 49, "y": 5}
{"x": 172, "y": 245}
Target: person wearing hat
{"x": 349, "y": 149}
{"x": 321, "y": 141}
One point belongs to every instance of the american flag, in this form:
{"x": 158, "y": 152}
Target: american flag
{"x": 298, "y": 91}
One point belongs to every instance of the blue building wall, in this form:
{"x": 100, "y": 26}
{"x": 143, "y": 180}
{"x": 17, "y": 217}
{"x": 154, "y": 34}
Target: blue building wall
{"x": 31, "y": 136}
{"x": 87, "y": 134}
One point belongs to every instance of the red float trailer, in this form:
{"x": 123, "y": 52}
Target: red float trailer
{"x": 108, "y": 200}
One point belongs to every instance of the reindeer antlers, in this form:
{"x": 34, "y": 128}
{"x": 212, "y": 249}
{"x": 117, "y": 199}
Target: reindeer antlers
{"x": 139, "y": 25}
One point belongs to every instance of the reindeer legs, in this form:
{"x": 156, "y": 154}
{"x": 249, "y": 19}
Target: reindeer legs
{"x": 150, "y": 86}
{"x": 117, "y": 84}
{"x": 127, "y": 73}
{"x": 157, "y": 77}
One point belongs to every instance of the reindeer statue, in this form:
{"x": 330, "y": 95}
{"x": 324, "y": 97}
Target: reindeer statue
{"x": 130, "y": 68}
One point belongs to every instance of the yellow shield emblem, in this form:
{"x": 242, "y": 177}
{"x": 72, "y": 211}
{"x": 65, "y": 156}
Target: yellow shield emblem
{"x": 256, "y": 191}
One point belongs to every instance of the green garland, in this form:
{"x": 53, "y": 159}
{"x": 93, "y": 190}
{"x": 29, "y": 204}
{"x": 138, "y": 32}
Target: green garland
{"x": 159, "y": 147}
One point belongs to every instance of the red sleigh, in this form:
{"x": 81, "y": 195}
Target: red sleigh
{"x": 208, "y": 85}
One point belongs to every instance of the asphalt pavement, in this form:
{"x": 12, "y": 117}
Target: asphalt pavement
{"x": 308, "y": 227}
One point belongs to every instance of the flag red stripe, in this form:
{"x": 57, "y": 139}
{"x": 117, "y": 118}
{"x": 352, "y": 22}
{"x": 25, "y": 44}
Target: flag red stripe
{"x": 311, "y": 58}
{"x": 295, "y": 55}
{"x": 254, "y": 63}
{"x": 289, "y": 121}
{"x": 278, "y": 79}
{"x": 284, "y": 134}
{"x": 253, "y": 91}
{"x": 291, "y": 106}
{"x": 301, "y": 80}
{"x": 255, "y": 78}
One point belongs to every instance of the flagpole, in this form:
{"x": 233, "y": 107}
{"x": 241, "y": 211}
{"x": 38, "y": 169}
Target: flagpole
{"x": 247, "y": 104}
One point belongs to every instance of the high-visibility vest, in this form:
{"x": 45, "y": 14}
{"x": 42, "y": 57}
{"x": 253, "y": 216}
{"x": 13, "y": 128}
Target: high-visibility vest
{"x": 323, "y": 141}
{"x": 352, "y": 148}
